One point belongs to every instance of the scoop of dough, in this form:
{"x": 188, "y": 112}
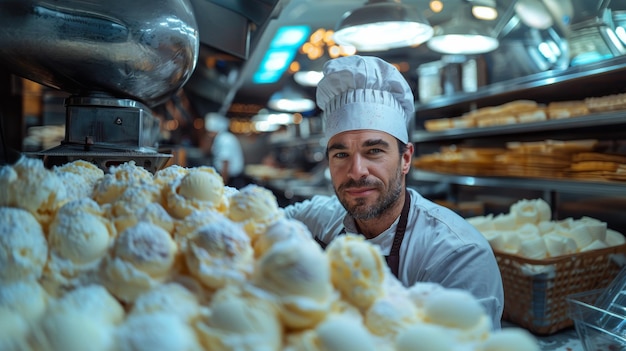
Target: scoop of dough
{"x": 23, "y": 246}
{"x": 429, "y": 337}
{"x": 142, "y": 257}
{"x": 219, "y": 253}
{"x": 453, "y": 308}
{"x": 358, "y": 269}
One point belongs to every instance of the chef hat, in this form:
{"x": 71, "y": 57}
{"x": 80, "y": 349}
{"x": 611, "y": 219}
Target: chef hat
{"x": 364, "y": 92}
{"x": 215, "y": 122}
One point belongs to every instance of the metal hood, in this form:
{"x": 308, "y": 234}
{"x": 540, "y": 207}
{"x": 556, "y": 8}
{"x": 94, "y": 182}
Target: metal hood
{"x": 233, "y": 26}
{"x": 229, "y": 32}
{"x": 144, "y": 50}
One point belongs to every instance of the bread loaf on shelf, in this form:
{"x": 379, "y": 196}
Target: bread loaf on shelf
{"x": 526, "y": 111}
{"x": 567, "y": 109}
{"x": 606, "y": 103}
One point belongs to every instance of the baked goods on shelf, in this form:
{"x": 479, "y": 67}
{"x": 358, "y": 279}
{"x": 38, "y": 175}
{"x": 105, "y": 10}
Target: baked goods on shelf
{"x": 526, "y": 111}
{"x": 460, "y": 160}
{"x": 551, "y": 159}
{"x": 598, "y": 166}
{"x": 567, "y": 109}
{"x": 606, "y": 103}
{"x": 507, "y": 113}
{"x": 547, "y": 158}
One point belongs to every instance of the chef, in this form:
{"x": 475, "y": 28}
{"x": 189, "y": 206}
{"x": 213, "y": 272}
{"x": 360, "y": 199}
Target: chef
{"x": 367, "y": 105}
{"x": 225, "y": 150}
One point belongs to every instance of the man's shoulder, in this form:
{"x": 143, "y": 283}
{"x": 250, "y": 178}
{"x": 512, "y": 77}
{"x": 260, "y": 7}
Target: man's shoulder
{"x": 431, "y": 208}
{"x": 433, "y": 214}
{"x": 319, "y": 203}
{"x": 321, "y": 214}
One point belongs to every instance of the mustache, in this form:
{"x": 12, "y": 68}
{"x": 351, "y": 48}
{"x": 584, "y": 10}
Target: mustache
{"x": 358, "y": 183}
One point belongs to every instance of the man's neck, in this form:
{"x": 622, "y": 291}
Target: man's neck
{"x": 371, "y": 228}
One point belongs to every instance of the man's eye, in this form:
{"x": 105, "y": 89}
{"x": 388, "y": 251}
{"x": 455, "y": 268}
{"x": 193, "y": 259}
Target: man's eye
{"x": 340, "y": 155}
{"x": 375, "y": 151}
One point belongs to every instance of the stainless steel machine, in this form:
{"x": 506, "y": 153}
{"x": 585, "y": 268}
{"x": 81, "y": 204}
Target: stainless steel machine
{"x": 117, "y": 59}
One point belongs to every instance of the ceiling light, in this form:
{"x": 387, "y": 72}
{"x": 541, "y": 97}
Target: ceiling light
{"x": 290, "y": 99}
{"x": 484, "y": 9}
{"x": 266, "y": 121}
{"x": 382, "y": 25}
{"x": 308, "y": 78}
{"x": 463, "y": 35}
{"x": 265, "y": 115}
{"x": 621, "y": 33}
{"x": 436, "y": 6}
{"x": 534, "y": 14}
{"x": 485, "y": 13}
{"x": 265, "y": 126}
{"x": 280, "y": 54}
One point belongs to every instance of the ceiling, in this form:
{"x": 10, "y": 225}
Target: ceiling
{"x": 232, "y": 48}
{"x": 322, "y": 14}
{"x": 229, "y": 88}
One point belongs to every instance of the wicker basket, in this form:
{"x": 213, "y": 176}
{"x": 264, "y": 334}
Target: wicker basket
{"x": 535, "y": 291}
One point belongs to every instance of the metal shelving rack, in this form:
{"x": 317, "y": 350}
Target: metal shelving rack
{"x": 608, "y": 188}
{"x": 593, "y": 125}
{"x": 597, "y": 79}
{"x": 593, "y": 79}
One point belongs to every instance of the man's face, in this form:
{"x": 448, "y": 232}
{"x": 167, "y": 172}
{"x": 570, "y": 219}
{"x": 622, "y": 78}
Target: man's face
{"x": 367, "y": 171}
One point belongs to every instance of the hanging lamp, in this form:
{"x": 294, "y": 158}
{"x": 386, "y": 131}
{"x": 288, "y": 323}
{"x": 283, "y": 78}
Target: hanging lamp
{"x": 464, "y": 35}
{"x": 290, "y": 99}
{"x": 382, "y": 25}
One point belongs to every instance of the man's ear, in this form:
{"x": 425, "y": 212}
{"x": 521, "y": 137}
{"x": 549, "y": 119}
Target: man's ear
{"x": 406, "y": 158}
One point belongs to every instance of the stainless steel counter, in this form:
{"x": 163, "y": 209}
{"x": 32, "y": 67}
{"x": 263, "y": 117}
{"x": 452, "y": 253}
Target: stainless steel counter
{"x": 292, "y": 185}
{"x": 564, "y": 340}
{"x": 304, "y": 191}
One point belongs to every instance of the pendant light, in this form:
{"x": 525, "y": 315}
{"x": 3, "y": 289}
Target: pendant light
{"x": 290, "y": 99}
{"x": 465, "y": 35}
{"x": 308, "y": 78}
{"x": 266, "y": 121}
{"x": 382, "y": 25}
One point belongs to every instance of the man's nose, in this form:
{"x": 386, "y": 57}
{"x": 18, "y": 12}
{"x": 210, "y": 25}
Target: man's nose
{"x": 358, "y": 167}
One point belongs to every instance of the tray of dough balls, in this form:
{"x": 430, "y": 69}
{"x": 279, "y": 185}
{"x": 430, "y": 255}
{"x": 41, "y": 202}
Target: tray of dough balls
{"x": 175, "y": 260}
{"x": 543, "y": 261}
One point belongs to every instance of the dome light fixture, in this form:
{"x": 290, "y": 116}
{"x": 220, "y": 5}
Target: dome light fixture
{"x": 290, "y": 99}
{"x": 464, "y": 35}
{"x": 267, "y": 121}
{"x": 308, "y": 78}
{"x": 381, "y": 25}
{"x": 484, "y": 9}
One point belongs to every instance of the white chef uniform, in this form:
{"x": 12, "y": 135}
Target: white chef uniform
{"x": 365, "y": 92}
{"x": 438, "y": 246}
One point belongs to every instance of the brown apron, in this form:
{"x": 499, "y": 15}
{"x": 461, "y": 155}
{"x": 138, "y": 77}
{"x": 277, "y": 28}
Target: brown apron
{"x": 393, "y": 260}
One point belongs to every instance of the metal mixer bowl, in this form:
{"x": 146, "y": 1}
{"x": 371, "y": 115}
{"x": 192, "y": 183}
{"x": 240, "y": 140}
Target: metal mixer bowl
{"x": 141, "y": 50}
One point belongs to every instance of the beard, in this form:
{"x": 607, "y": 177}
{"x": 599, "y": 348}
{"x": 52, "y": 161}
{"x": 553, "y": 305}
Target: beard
{"x": 360, "y": 209}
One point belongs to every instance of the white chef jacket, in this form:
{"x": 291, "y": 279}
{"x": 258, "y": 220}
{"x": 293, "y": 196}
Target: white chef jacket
{"x": 226, "y": 147}
{"x": 439, "y": 246}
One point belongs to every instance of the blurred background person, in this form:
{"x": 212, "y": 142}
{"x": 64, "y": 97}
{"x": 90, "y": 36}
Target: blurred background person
{"x": 224, "y": 150}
